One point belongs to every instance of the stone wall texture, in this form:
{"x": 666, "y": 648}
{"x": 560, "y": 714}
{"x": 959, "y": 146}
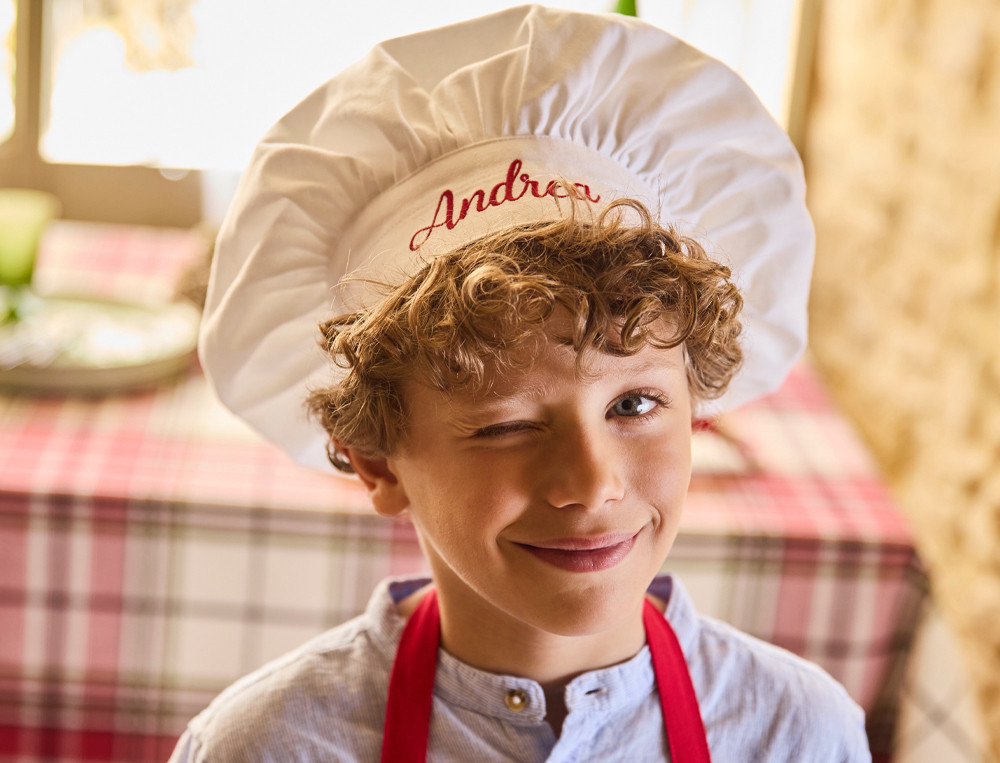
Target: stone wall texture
{"x": 902, "y": 156}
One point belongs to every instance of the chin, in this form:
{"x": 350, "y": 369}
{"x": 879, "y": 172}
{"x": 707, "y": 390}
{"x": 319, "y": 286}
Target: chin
{"x": 587, "y": 613}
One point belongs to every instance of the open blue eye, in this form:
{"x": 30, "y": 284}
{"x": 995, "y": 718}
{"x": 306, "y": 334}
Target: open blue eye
{"x": 633, "y": 405}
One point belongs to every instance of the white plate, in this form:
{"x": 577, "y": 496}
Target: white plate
{"x": 70, "y": 344}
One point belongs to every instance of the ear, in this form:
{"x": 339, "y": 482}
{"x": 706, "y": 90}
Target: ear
{"x": 384, "y": 488}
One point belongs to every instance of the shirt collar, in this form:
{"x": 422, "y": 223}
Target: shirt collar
{"x": 521, "y": 701}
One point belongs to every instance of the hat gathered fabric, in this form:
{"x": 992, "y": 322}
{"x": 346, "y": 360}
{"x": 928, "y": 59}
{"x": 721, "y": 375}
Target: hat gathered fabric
{"x": 437, "y": 138}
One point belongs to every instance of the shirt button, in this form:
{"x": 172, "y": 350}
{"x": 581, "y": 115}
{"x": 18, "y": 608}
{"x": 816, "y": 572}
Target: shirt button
{"x": 516, "y": 700}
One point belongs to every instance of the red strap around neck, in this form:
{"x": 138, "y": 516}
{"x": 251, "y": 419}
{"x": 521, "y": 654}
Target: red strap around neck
{"x": 411, "y": 688}
{"x": 678, "y": 701}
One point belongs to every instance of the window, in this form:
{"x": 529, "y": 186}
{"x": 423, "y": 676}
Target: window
{"x": 127, "y": 97}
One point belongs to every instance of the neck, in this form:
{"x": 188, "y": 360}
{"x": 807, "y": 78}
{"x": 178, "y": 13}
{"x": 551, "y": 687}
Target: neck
{"x": 485, "y": 637}
{"x": 488, "y": 638}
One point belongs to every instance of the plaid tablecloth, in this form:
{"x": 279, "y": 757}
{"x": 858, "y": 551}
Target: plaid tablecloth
{"x": 153, "y": 549}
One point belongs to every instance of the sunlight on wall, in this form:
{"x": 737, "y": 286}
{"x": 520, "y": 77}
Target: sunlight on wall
{"x": 7, "y": 16}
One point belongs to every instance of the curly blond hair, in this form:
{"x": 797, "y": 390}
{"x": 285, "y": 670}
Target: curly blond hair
{"x": 471, "y": 312}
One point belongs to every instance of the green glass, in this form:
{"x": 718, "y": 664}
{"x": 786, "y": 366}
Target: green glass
{"x": 24, "y": 215}
{"x": 626, "y": 7}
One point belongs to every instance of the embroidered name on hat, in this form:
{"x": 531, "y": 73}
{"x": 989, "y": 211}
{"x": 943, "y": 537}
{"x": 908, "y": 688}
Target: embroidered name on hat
{"x": 501, "y": 193}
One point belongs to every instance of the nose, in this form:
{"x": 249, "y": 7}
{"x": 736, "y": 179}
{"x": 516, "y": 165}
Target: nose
{"x": 584, "y": 470}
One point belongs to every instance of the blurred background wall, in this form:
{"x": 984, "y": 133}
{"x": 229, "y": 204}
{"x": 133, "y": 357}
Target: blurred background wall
{"x": 902, "y": 154}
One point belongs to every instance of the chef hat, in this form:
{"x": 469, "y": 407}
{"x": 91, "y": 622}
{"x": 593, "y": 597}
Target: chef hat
{"x": 438, "y": 138}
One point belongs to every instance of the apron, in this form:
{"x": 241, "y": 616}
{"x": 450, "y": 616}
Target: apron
{"x": 411, "y": 688}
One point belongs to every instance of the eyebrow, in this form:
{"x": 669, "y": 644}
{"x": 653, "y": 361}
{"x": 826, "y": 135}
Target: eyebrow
{"x": 523, "y": 391}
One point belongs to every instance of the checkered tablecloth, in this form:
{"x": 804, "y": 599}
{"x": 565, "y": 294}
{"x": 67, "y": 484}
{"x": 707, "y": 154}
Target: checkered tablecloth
{"x": 153, "y": 549}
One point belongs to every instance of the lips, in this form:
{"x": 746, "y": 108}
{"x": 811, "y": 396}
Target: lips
{"x": 584, "y": 554}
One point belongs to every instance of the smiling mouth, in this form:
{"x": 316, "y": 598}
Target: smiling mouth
{"x": 584, "y": 554}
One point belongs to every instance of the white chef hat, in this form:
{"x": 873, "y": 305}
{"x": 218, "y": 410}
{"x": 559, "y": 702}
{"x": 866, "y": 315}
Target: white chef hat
{"x": 437, "y": 138}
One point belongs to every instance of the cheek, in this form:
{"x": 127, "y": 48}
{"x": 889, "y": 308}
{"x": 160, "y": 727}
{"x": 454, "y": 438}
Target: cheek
{"x": 663, "y": 469}
{"x": 469, "y": 494}
{"x": 499, "y": 472}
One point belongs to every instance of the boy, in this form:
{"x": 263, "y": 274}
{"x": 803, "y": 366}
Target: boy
{"x": 525, "y": 348}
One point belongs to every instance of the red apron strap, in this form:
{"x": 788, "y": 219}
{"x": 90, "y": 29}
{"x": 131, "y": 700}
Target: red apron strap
{"x": 411, "y": 686}
{"x": 681, "y": 714}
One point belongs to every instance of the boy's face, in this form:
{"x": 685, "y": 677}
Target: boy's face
{"x": 553, "y": 499}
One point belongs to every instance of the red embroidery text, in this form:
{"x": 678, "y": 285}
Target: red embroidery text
{"x": 514, "y": 187}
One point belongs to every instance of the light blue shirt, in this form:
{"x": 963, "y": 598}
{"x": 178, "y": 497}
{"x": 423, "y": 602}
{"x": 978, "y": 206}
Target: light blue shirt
{"x": 326, "y": 702}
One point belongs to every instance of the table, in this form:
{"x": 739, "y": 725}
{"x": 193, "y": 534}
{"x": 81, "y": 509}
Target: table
{"x": 153, "y": 549}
